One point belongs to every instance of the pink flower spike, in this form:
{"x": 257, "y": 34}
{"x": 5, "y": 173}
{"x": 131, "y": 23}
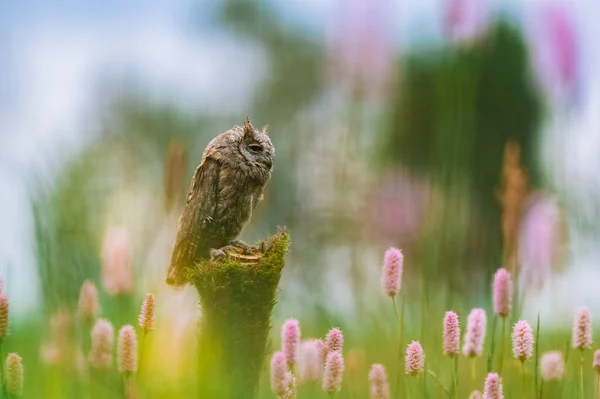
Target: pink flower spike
{"x": 451, "y": 334}
{"x": 127, "y": 350}
{"x": 279, "y": 383}
{"x": 290, "y": 391}
{"x": 582, "y": 329}
{"x": 475, "y": 395}
{"x": 13, "y": 371}
{"x": 333, "y": 373}
{"x": 493, "y": 387}
{"x": 391, "y": 275}
{"x": 4, "y": 306}
{"x": 380, "y": 388}
{"x": 475, "y": 336}
{"x": 596, "y": 362}
{"x": 552, "y": 366}
{"x": 334, "y": 341}
{"x": 503, "y": 292}
{"x": 322, "y": 351}
{"x": 290, "y": 340}
{"x": 414, "y": 362}
{"x": 103, "y": 338}
{"x": 147, "y": 314}
{"x": 522, "y": 340}
{"x": 88, "y": 301}
{"x": 309, "y": 361}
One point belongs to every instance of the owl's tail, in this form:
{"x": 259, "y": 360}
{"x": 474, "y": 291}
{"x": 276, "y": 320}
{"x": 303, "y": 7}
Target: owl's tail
{"x": 175, "y": 276}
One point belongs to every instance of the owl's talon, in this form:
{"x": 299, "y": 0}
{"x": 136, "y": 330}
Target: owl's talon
{"x": 216, "y": 254}
{"x": 247, "y": 248}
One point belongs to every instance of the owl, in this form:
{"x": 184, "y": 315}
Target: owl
{"x": 226, "y": 186}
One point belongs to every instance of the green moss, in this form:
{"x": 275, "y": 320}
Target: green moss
{"x": 237, "y": 300}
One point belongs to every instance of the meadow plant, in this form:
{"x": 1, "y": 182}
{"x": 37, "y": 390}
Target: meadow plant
{"x": 334, "y": 341}
{"x": 582, "y": 337}
{"x": 88, "y": 301}
{"x": 101, "y": 352}
{"x": 378, "y": 382}
{"x": 391, "y": 275}
{"x": 290, "y": 341}
{"x": 333, "y": 372}
{"x": 475, "y": 395}
{"x": 552, "y": 366}
{"x": 452, "y": 343}
{"x": 13, "y": 372}
{"x": 414, "y": 362}
{"x": 522, "y": 343}
{"x": 502, "y": 299}
{"x": 4, "y": 308}
{"x": 493, "y": 387}
{"x": 279, "y": 373}
{"x": 127, "y": 350}
{"x": 290, "y": 391}
{"x": 309, "y": 361}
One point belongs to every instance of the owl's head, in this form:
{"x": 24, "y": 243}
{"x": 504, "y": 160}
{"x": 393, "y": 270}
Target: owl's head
{"x": 256, "y": 146}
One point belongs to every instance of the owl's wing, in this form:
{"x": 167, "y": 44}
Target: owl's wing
{"x": 199, "y": 209}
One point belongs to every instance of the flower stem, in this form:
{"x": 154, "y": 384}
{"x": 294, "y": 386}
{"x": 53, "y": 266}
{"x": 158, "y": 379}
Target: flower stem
{"x": 523, "y": 378}
{"x": 542, "y": 389}
{"x": 400, "y": 321}
{"x": 473, "y": 370}
{"x": 597, "y": 382}
{"x": 581, "y": 376}
{"x": 493, "y": 346}
{"x": 502, "y": 345}
{"x": 454, "y": 366}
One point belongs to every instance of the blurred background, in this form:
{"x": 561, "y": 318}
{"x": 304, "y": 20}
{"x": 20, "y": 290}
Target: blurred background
{"x": 465, "y": 132}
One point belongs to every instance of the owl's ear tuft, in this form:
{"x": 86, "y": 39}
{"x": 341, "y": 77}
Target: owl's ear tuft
{"x": 247, "y": 127}
{"x": 265, "y": 129}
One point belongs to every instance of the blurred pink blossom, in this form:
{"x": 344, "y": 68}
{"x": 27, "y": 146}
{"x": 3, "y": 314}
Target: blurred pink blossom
{"x": 309, "y": 361}
{"x": 279, "y": 376}
{"x": 391, "y": 275}
{"x": 582, "y": 329}
{"x": 503, "y": 291}
{"x": 556, "y": 48}
{"x": 395, "y": 207}
{"x": 596, "y": 361}
{"x": 465, "y": 20}
{"x": 475, "y": 336}
{"x": 378, "y": 381}
{"x": 117, "y": 261}
{"x": 540, "y": 241}
{"x": 290, "y": 341}
{"x": 552, "y": 366}
{"x": 361, "y": 50}
{"x": 333, "y": 372}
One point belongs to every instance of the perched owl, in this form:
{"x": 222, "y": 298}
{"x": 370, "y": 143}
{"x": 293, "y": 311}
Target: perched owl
{"x": 227, "y": 185}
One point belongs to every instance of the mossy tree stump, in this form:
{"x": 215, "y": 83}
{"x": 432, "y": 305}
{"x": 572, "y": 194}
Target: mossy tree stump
{"x": 237, "y": 295}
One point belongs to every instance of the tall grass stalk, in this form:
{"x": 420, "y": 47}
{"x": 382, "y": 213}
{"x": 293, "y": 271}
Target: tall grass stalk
{"x": 581, "y": 394}
{"x": 492, "y": 346}
{"x": 455, "y": 376}
{"x": 502, "y": 346}
{"x": 537, "y": 355}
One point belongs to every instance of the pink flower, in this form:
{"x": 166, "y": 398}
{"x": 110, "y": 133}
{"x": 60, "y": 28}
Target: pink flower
{"x": 493, "y": 387}
{"x": 101, "y": 352}
{"x": 117, "y": 262}
{"x": 147, "y": 314}
{"x": 465, "y": 20}
{"x": 322, "y": 350}
{"x": 309, "y": 361}
{"x": 88, "y": 301}
{"x": 3, "y": 315}
{"x": 279, "y": 382}
{"x": 451, "y": 334}
{"x": 290, "y": 339}
{"x": 475, "y": 395}
{"x": 334, "y": 341}
{"x": 127, "y": 350}
{"x": 13, "y": 372}
{"x": 582, "y": 329}
{"x": 596, "y": 362}
{"x": 503, "y": 291}
{"x": 475, "y": 335}
{"x": 333, "y": 373}
{"x": 392, "y": 272}
{"x": 290, "y": 391}
{"x": 552, "y": 366}
{"x": 380, "y": 388}
{"x": 414, "y": 362}
{"x": 522, "y": 339}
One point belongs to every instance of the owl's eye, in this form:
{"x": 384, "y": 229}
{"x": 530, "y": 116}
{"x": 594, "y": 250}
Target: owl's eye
{"x": 255, "y": 148}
